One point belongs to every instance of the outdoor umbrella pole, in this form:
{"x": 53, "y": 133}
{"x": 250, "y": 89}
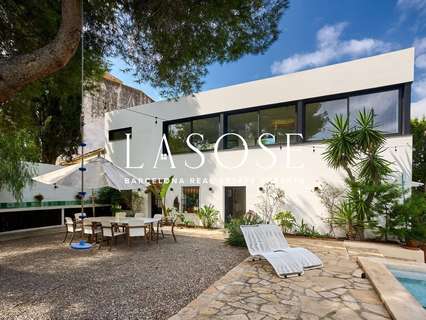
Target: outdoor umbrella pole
{"x": 82, "y": 169}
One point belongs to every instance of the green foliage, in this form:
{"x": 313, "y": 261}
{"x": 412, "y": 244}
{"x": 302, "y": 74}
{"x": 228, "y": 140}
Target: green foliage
{"x": 108, "y": 195}
{"x": 304, "y": 229}
{"x": 407, "y": 221}
{"x": 235, "y": 236}
{"x": 358, "y": 151}
{"x": 160, "y": 190}
{"x": 347, "y": 220}
{"x": 168, "y": 43}
{"x": 184, "y": 220}
{"x": 208, "y": 215}
{"x": 418, "y": 130}
{"x": 271, "y": 201}
{"x": 286, "y": 220}
{"x": 17, "y": 152}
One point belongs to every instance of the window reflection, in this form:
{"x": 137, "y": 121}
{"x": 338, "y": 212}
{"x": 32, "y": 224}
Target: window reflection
{"x": 318, "y": 116}
{"x": 244, "y": 124}
{"x": 384, "y": 105}
{"x": 177, "y": 134}
{"x": 277, "y": 121}
{"x": 209, "y": 128}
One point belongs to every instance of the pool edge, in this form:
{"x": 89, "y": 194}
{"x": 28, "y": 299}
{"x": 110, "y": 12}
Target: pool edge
{"x": 400, "y": 304}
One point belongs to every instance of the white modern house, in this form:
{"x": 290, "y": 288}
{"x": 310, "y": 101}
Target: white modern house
{"x": 301, "y": 102}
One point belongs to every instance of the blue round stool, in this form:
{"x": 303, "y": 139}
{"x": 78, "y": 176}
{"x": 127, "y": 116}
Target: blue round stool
{"x": 81, "y": 245}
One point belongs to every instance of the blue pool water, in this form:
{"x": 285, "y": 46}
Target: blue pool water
{"x": 413, "y": 281}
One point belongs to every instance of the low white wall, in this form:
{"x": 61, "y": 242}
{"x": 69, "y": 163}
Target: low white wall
{"x": 48, "y": 191}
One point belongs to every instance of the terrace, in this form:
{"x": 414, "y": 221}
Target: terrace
{"x": 198, "y": 277}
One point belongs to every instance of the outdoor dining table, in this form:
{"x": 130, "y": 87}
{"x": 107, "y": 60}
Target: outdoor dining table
{"x": 131, "y": 221}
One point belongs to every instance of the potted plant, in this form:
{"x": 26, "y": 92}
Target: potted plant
{"x": 286, "y": 220}
{"x": 39, "y": 197}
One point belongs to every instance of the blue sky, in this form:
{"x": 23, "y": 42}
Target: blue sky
{"x": 317, "y": 33}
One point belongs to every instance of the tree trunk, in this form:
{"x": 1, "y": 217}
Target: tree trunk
{"x": 19, "y": 71}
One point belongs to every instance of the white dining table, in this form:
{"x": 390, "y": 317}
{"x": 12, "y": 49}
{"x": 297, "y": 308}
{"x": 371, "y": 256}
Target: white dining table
{"x": 131, "y": 221}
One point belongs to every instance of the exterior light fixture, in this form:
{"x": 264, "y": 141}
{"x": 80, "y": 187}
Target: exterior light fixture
{"x": 171, "y": 189}
{"x": 210, "y": 189}
{"x": 261, "y": 189}
{"x": 55, "y": 186}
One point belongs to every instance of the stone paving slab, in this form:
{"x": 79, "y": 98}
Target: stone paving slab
{"x": 252, "y": 291}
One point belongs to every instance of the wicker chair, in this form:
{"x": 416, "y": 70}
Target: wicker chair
{"x": 134, "y": 231}
{"x": 92, "y": 230}
{"x": 110, "y": 233}
{"x": 71, "y": 227}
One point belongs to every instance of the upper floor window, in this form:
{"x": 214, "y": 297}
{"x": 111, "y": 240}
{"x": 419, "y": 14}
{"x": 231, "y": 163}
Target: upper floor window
{"x": 385, "y": 109}
{"x": 277, "y": 121}
{"x": 176, "y": 136}
{"x": 119, "y": 134}
{"x": 209, "y": 128}
{"x": 318, "y": 116}
{"x": 246, "y": 125}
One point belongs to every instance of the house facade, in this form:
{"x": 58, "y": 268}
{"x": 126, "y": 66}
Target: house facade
{"x": 288, "y": 115}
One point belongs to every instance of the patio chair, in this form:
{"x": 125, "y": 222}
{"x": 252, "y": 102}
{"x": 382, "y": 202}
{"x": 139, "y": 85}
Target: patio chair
{"x": 159, "y": 219}
{"x": 140, "y": 215}
{"x": 110, "y": 232}
{"x": 71, "y": 227}
{"x": 121, "y": 214}
{"x": 268, "y": 242}
{"x": 134, "y": 231}
{"x": 92, "y": 230}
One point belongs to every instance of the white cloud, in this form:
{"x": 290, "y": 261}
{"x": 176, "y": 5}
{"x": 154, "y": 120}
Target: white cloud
{"x": 419, "y": 88}
{"x": 420, "y": 45}
{"x": 418, "y": 5}
{"x": 418, "y": 108}
{"x": 330, "y": 48}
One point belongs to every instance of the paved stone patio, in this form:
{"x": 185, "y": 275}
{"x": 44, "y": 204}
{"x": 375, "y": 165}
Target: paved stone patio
{"x": 253, "y": 291}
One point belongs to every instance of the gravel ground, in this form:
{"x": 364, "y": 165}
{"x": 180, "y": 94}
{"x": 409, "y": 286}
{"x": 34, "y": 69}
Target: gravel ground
{"x": 41, "y": 278}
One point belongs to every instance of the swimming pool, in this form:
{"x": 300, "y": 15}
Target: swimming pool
{"x": 413, "y": 281}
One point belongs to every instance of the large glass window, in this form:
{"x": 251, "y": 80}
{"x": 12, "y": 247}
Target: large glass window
{"x": 246, "y": 125}
{"x": 318, "y": 116}
{"x": 209, "y": 128}
{"x": 190, "y": 199}
{"x": 177, "y": 134}
{"x": 384, "y": 105}
{"x": 278, "y": 121}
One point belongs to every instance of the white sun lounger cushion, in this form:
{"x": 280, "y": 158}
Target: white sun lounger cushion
{"x": 276, "y": 241}
{"x": 284, "y": 263}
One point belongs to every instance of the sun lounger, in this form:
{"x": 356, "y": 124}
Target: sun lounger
{"x": 277, "y": 241}
{"x": 267, "y": 241}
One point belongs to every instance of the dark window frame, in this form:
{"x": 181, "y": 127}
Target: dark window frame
{"x": 184, "y": 196}
{"x": 124, "y": 130}
{"x": 400, "y": 88}
{"x": 404, "y": 103}
{"x": 166, "y": 125}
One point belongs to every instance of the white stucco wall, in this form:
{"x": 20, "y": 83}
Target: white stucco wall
{"x": 49, "y": 192}
{"x": 298, "y": 183}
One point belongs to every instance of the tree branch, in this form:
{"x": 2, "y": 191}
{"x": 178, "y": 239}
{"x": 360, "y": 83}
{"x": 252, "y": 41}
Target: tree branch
{"x": 17, "y": 72}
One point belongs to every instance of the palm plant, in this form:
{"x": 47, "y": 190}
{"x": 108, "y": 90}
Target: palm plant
{"x": 160, "y": 190}
{"x": 208, "y": 215}
{"x": 358, "y": 151}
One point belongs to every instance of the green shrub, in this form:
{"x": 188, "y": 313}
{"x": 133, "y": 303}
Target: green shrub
{"x": 208, "y": 216}
{"x": 286, "y": 220}
{"x": 235, "y": 236}
{"x": 408, "y": 220}
{"x": 304, "y": 229}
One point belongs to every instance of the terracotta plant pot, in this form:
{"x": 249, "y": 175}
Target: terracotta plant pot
{"x": 412, "y": 243}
